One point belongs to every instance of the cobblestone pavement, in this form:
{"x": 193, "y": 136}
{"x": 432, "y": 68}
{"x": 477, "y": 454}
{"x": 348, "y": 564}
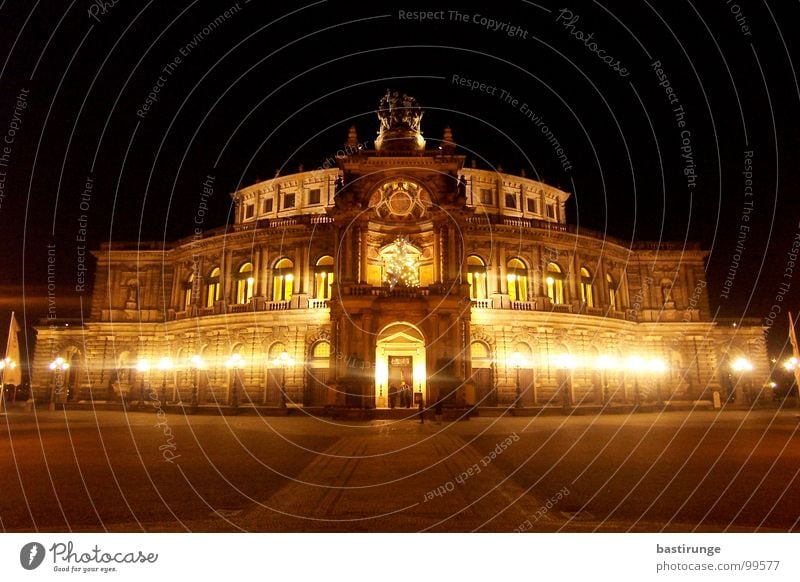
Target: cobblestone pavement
{"x": 679, "y": 471}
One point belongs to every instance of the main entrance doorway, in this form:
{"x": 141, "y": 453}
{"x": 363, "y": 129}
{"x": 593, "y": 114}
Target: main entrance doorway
{"x": 400, "y": 367}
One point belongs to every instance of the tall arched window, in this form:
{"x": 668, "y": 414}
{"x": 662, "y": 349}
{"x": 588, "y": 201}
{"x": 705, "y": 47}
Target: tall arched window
{"x": 282, "y": 280}
{"x": 554, "y": 281}
{"x": 321, "y": 351}
{"x": 244, "y": 283}
{"x": 476, "y": 277}
{"x": 323, "y": 277}
{"x": 612, "y": 293}
{"x": 517, "y": 275}
{"x": 186, "y": 299}
{"x": 587, "y": 291}
{"x": 213, "y": 288}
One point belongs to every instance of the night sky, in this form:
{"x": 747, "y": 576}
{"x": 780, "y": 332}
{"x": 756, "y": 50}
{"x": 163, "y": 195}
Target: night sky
{"x": 659, "y": 109}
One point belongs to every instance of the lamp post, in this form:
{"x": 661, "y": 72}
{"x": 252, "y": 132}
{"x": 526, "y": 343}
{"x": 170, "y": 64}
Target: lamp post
{"x": 6, "y": 364}
{"x": 234, "y": 363}
{"x": 604, "y": 364}
{"x": 517, "y": 362}
{"x": 657, "y": 367}
{"x": 566, "y": 363}
{"x": 165, "y": 365}
{"x": 740, "y": 366}
{"x": 635, "y": 364}
{"x": 196, "y": 363}
{"x": 792, "y": 365}
{"x": 143, "y": 367}
{"x": 283, "y": 361}
{"x": 58, "y": 366}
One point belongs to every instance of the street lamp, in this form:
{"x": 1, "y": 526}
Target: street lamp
{"x": 793, "y": 365}
{"x": 518, "y": 361}
{"x": 566, "y": 363}
{"x": 234, "y": 363}
{"x": 635, "y": 364}
{"x": 198, "y": 364}
{"x": 740, "y": 366}
{"x": 58, "y": 366}
{"x": 5, "y": 364}
{"x": 657, "y": 367}
{"x": 143, "y": 367}
{"x": 604, "y": 364}
{"x": 165, "y": 365}
{"x": 283, "y": 361}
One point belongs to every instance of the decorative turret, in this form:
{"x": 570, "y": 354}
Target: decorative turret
{"x": 448, "y": 145}
{"x": 352, "y": 140}
{"x": 400, "y": 119}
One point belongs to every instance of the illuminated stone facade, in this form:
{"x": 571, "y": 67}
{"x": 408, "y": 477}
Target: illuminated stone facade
{"x": 400, "y": 265}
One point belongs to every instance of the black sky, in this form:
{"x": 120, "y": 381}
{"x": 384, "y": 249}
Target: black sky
{"x": 272, "y": 87}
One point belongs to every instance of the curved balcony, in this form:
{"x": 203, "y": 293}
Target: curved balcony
{"x": 497, "y": 302}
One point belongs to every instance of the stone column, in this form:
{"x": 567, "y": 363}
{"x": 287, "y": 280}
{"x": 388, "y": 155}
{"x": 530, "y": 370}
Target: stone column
{"x": 259, "y": 284}
{"x": 176, "y": 299}
{"x": 603, "y": 286}
{"x": 440, "y": 254}
{"x": 347, "y": 270}
{"x": 301, "y": 260}
{"x": 535, "y": 290}
{"x": 452, "y": 260}
{"x": 501, "y": 269}
{"x": 362, "y": 255}
{"x": 572, "y": 277}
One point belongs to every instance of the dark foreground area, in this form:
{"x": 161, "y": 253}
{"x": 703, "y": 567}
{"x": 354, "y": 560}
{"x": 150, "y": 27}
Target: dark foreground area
{"x": 140, "y": 471}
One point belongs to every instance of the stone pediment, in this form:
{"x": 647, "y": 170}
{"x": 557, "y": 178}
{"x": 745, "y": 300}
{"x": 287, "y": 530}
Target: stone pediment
{"x": 400, "y": 339}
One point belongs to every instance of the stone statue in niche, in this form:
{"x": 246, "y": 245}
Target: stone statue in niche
{"x": 461, "y": 195}
{"x": 344, "y": 198}
{"x": 132, "y": 296}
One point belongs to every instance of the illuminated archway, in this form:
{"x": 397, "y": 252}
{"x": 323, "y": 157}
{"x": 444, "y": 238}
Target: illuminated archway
{"x": 399, "y": 357}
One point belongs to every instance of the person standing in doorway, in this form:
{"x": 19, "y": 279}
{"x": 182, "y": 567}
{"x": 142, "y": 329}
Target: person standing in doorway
{"x": 421, "y": 410}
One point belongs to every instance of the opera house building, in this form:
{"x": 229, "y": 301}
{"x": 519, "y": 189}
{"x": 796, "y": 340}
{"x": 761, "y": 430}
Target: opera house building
{"x": 400, "y": 272}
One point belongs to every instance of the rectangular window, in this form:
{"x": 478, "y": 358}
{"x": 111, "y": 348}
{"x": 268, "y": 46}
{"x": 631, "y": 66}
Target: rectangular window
{"x": 486, "y": 196}
{"x": 267, "y": 205}
{"x": 249, "y": 211}
{"x": 288, "y": 201}
{"x": 313, "y": 196}
{"x": 511, "y": 201}
{"x": 551, "y": 211}
{"x": 532, "y": 206}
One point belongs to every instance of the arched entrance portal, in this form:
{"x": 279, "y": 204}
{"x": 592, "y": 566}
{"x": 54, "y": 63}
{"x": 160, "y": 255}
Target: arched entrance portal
{"x": 399, "y": 359}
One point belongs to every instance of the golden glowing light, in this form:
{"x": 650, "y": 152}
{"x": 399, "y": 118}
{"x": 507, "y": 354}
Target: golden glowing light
{"x": 742, "y": 365}
{"x": 58, "y": 364}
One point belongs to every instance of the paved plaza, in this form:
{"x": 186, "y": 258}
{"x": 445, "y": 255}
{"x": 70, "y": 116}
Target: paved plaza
{"x": 140, "y": 471}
